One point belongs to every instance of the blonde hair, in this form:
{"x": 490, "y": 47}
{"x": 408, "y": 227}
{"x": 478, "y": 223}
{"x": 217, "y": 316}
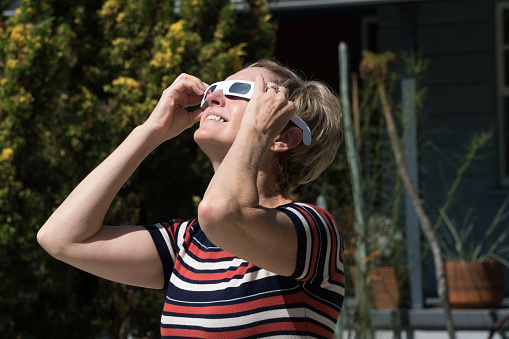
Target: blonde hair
{"x": 320, "y": 109}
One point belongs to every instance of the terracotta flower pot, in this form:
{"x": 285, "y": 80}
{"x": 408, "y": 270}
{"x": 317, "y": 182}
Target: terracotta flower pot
{"x": 384, "y": 287}
{"x": 474, "y": 284}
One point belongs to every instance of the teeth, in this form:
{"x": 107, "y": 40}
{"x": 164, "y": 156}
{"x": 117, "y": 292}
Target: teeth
{"x": 215, "y": 117}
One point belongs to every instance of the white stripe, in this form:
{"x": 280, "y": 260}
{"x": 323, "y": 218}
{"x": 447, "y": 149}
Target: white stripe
{"x": 321, "y": 319}
{"x": 339, "y": 264}
{"x": 166, "y": 237}
{"x": 210, "y": 265}
{"x": 326, "y": 263}
{"x": 215, "y": 286}
{"x": 204, "y": 246}
{"x": 203, "y": 321}
{"x": 181, "y": 233}
{"x": 333, "y": 287}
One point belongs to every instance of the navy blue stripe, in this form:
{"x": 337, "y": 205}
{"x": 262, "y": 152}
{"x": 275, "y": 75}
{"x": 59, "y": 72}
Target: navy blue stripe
{"x": 301, "y": 238}
{"x": 248, "y": 291}
{"x": 240, "y": 326}
{"x": 224, "y": 269}
{"x": 162, "y": 250}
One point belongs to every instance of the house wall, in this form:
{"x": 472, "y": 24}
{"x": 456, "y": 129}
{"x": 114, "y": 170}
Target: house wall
{"x": 457, "y": 38}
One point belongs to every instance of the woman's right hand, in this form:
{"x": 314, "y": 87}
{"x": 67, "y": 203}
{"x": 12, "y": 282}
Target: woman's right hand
{"x": 169, "y": 117}
{"x": 75, "y": 233}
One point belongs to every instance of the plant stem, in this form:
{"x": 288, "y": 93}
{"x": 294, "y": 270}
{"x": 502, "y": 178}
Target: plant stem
{"x": 353, "y": 160}
{"x": 474, "y": 147}
{"x": 417, "y": 203}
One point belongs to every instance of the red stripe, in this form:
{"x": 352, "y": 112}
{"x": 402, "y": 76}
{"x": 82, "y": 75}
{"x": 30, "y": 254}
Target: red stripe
{"x": 265, "y": 328}
{"x": 332, "y": 270}
{"x": 212, "y": 255}
{"x": 318, "y": 330}
{"x": 334, "y": 275}
{"x": 236, "y": 308}
{"x": 198, "y": 276}
{"x": 322, "y": 307}
{"x": 172, "y": 228}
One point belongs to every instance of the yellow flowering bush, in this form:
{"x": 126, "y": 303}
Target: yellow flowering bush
{"x": 75, "y": 78}
{"x": 7, "y": 154}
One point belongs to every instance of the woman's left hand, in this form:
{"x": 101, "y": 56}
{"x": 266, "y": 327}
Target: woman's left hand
{"x": 268, "y": 111}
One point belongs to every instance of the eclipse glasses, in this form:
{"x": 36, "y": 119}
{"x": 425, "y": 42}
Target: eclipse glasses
{"x": 244, "y": 89}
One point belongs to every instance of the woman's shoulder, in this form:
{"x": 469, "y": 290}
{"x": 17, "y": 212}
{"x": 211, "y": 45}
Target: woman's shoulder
{"x": 302, "y": 205}
{"x": 307, "y": 210}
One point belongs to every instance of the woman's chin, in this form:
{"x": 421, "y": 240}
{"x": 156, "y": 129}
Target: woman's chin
{"x": 206, "y": 140}
{"x": 202, "y": 136}
{"x": 211, "y": 145}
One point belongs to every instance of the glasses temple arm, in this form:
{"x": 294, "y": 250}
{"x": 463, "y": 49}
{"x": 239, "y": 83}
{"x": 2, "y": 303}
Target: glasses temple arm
{"x": 306, "y": 132}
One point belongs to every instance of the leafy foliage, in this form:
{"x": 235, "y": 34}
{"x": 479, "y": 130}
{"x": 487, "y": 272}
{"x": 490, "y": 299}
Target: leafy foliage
{"x": 460, "y": 242}
{"x": 75, "y": 78}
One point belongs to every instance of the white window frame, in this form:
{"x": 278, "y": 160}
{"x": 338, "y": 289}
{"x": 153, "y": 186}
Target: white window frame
{"x": 502, "y": 90}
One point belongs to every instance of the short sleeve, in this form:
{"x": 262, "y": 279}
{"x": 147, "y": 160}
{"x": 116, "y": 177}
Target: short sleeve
{"x": 167, "y": 237}
{"x": 320, "y": 245}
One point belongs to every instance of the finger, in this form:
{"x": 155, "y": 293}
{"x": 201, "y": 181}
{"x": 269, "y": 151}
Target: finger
{"x": 197, "y": 114}
{"x": 185, "y": 82}
{"x": 272, "y": 86}
{"x": 191, "y": 87}
{"x": 198, "y": 88}
{"x": 204, "y": 86}
{"x": 259, "y": 84}
{"x": 283, "y": 91}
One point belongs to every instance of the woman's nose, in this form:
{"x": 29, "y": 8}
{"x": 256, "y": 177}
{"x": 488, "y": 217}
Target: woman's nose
{"x": 216, "y": 98}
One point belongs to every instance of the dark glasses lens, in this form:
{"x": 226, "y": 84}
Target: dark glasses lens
{"x": 240, "y": 88}
{"x": 212, "y": 88}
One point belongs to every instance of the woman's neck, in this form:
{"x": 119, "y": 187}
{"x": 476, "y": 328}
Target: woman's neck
{"x": 269, "y": 193}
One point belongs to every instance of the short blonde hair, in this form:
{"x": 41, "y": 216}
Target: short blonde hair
{"x": 316, "y": 104}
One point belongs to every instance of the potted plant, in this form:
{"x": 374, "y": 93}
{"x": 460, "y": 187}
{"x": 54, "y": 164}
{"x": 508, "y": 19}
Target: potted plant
{"x": 474, "y": 262}
{"x": 383, "y": 242}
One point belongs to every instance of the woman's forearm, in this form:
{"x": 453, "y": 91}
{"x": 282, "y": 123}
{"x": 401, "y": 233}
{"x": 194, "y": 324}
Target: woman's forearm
{"x": 233, "y": 190}
{"x": 81, "y": 215}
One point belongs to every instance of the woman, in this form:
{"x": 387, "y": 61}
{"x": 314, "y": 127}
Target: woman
{"x": 253, "y": 263}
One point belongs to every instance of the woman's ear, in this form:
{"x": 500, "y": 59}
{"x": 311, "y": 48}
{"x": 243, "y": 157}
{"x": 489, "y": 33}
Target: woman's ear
{"x": 287, "y": 140}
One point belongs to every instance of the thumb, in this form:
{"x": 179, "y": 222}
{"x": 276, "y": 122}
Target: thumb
{"x": 196, "y": 115}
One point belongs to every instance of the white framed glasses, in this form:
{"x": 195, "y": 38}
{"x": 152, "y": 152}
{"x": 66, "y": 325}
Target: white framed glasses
{"x": 244, "y": 89}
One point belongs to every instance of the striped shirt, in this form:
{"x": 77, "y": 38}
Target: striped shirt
{"x": 211, "y": 293}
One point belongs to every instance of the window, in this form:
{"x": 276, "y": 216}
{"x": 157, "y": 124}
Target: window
{"x": 369, "y": 33}
{"x": 502, "y": 42}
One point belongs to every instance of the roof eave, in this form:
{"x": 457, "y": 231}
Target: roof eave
{"x": 308, "y": 4}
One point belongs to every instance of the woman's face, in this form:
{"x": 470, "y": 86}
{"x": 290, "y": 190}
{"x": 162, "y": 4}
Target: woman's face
{"x": 220, "y": 122}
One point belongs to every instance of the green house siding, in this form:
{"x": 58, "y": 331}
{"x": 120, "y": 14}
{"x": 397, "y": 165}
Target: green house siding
{"x": 457, "y": 38}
